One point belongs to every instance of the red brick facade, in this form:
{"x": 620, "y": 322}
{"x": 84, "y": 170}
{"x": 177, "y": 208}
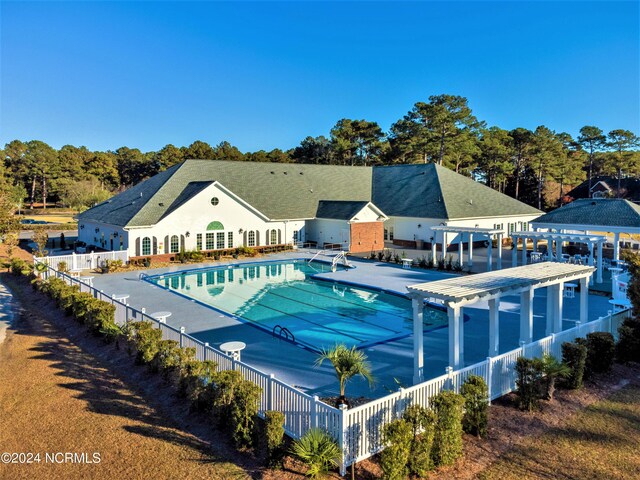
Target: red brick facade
{"x": 367, "y": 236}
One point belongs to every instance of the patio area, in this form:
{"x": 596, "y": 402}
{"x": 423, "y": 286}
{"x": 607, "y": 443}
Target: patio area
{"x": 392, "y": 362}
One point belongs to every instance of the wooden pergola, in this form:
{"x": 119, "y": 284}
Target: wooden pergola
{"x": 559, "y": 238}
{"x": 463, "y": 291}
{"x": 470, "y": 232}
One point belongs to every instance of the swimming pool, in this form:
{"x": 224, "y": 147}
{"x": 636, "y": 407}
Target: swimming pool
{"x": 283, "y": 298}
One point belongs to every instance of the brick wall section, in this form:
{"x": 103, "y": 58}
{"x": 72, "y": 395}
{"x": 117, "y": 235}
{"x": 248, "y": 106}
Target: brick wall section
{"x": 367, "y": 236}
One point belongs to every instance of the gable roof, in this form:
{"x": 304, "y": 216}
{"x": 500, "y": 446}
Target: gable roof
{"x": 282, "y": 191}
{"x": 612, "y": 212}
{"x": 339, "y": 210}
{"x": 629, "y": 187}
{"x": 433, "y": 191}
{"x": 277, "y": 190}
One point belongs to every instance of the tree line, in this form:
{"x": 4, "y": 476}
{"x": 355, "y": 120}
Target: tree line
{"x": 534, "y": 166}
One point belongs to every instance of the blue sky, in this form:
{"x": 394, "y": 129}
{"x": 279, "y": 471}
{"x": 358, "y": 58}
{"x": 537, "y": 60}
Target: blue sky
{"x": 265, "y": 75}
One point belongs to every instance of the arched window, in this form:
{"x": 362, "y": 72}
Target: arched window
{"x": 251, "y": 239}
{"x": 215, "y": 225}
{"x": 175, "y": 244}
{"x": 146, "y": 246}
{"x": 274, "y": 237}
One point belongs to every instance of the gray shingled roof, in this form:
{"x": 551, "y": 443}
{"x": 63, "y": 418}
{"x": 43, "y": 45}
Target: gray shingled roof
{"x": 612, "y": 212}
{"x": 292, "y": 191}
{"x": 339, "y": 210}
{"x": 278, "y": 190}
{"x": 432, "y": 191}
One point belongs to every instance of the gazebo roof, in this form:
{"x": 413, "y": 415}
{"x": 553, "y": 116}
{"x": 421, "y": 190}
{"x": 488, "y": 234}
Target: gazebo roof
{"x": 484, "y": 286}
{"x": 456, "y": 229}
{"x": 615, "y": 213}
{"x": 565, "y": 237}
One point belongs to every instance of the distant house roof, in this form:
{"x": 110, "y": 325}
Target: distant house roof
{"x": 339, "y": 210}
{"x": 282, "y": 191}
{"x": 600, "y": 212}
{"x": 629, "y": 187}
{"x": 433, "y": 191}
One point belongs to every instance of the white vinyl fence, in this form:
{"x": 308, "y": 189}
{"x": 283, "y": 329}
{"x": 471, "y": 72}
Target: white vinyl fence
{"x": 83, "y": 261}
{"x": 358, "y": 430}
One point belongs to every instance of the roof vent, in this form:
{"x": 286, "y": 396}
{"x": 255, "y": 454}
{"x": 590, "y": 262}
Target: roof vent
{"x": 284, "y": 173}
{"x": 470, "y": 201}
{"x": 272, "y": 172}
{"x": 301, "y": 173}
{"x": 161, "y": 204}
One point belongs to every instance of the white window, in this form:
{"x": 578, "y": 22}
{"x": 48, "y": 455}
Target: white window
{"x": 274, "y": 237}
{"x": 230, "y": 240}
{"x": 146, "y": 246}
{"x": 175, "y": 244}
{"x": 199, "y": 241}
{"x": 220, "y": 240}
{"x": 251, "y": 239}
{"x": 210, "y": 245}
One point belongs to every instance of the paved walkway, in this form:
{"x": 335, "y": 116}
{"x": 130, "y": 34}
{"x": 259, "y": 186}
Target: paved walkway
{"x": 7, "y": 311}
{"x": 392, "y": 362}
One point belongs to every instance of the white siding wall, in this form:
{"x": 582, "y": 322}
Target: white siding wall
{"x": 324, "y": 230}
{"x": 103, "y": 236}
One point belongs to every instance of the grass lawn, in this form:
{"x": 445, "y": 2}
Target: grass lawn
{"x": 57, "y": 397}
{"x": 54, "y": 218}
{"x": 600, "y": 442}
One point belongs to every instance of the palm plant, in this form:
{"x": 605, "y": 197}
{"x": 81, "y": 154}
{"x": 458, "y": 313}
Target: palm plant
{"x": 553, "y": 369}
{"x": 348, "y": 362}
{"x": 318, "y": 451}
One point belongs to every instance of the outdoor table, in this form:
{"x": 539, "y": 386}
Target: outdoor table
{"x": 160, "y": 316}
{"x": 406, "y": 262}
{"x": 535, "y": 257}
{"x": 75, "y": 273}
{"x": 88, "y": 280}
{"x": 570, "y": 290}
{"x": 233, "y": 349}
{"x": 121, "y": 297}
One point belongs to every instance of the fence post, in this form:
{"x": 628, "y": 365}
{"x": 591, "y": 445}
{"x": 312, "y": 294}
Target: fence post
{"x": 522, "y": 347}
{"x": 74, "y": 261}
{"x": 272, "y": 377}
{"x": 182, "y": 330}
{"x": 489, "y": 377}
{"x": 313, "y": 421}
{"x": 206, "y": 347}
{"x": 341, "y": 423}
{"x": 449, "y": 371}
{"x": 610, "y": 319}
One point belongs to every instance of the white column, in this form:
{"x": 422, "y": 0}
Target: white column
{"x": 460, "y": 250}
{"x": 599, "y": 271}
{"x": 616, "y": 246}
{"x": 557, "y": 307}
{"x": 461, "y": 320}
{"x": 434, "y": 250}
{"x": 494, "y": 327}
{"x": 418, "y": 345}
{"x": 524, "y": 250}
{"x": 444, "y": 245}
{"x": 489, "y": 254}
{"x": 499, "y": 253}
{"x": 584, "y": 300}
{"x": 454, "y": 336}
{"x": 514, "y": 252}
{"x": 550, "y": 309}
{"x": 526, "y": 316}
{"x": 590, "y": 261}
{"x": 535, "y": 244}
{"x": 470, "y": 261}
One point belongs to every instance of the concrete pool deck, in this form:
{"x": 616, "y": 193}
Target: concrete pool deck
{"x": 392, "y": 362}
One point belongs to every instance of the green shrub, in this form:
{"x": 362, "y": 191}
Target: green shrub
{"x": 20, "y": 267}
{"x": 62, "y": 267}
{"x": 552, "y": 370}
{"x": 601, "y": 350}
{"x": 394, "y": 459}
{"x": 110, "y": 332}
{"x": 81, "y": 306}
{"x": 318, "y": 451}
{"x": 422, "y": 422}
{"x": 447, "y": 441}
{"x": 194, "y": 379}
{"x": 380, "y": 255}
{"x": 67, "y": 298}
{"x": 222, "y": 391}
{"x": 170, "y": 359}
{"x": 476, "y": 405}
{"x": 244, "y": 411}
{"x": 574, "y": 356}
{"x": 273, "y": 436}
{"x": 529, "y": 372}
{"x": 101, "y": 315}
{"x": 628, "y": 346}
{"x": 146, "y": 340}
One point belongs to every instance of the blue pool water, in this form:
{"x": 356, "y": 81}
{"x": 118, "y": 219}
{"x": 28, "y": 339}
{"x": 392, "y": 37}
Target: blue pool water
{"x": 319, "y": 313}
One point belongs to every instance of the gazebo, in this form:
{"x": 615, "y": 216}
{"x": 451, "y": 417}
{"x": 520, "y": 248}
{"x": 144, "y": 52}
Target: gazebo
{"x": 470, "y": 232}
{"x": 603, "y": 215}
{"x": 462, "y": 291}
{"x": 591, "y": 241}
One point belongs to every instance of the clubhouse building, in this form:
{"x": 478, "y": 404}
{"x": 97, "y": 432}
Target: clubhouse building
{"x": 216, "y": 205}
